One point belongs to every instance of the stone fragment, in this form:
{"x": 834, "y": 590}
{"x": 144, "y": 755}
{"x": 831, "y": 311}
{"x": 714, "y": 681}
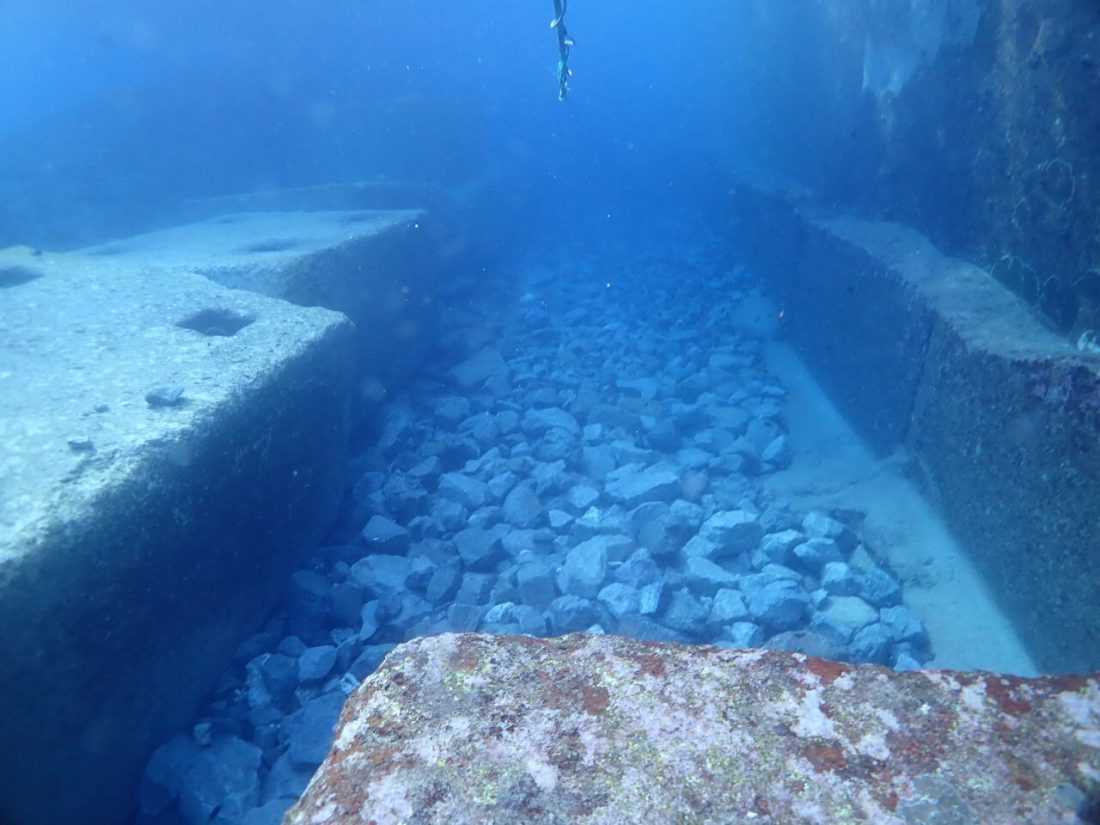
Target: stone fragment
{"x": 706, "y": 578}
{"x": 522, "y": 507}
{"x": 841, "y": 616}
{"x": 620, "y": 599}
{"x": 814, "y": 554}
{"x": 572, "y": 613}
{"x": 384, "y": 535}
{"x": 634, "y": 484}
{"x": 478, "y": 368}
{"x": 728, "y": 533}
{"x": 877, "y": 587}
{"x": 463, "y": 489}
{"x": 479, "y": 549}
{"x": 686, "y": 612}
{"x": 838, "y": 579}
{"x": 536, "y": 583}
{"x": 728, "y": 607}
{"x": 779, "y": 604}
{"x": 316, "y": 663}
{"x": 584, "y": 569}
{"x": 309, "y": 730}
{"x": 537, "y": 422}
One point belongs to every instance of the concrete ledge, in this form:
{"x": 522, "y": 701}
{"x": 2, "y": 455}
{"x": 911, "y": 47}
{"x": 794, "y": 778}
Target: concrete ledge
{"x": 138, "y": 543}
{"x": 1000, "y": 416}
{"x": 377, "y": 267}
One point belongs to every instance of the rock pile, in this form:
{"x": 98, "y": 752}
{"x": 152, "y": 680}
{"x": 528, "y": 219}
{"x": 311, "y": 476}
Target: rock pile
{"x": 595, "y": 469}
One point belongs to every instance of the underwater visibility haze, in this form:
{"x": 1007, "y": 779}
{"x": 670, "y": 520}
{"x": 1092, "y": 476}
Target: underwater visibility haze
{"x": 325, "y": 327}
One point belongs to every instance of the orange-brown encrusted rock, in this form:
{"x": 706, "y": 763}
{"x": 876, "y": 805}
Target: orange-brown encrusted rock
{"x": 600, "y": 729}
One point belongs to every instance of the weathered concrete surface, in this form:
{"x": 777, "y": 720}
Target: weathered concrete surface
{"x": 599, "y": 729}
{"x": 1000, "y": 416}
{"x": 139, "y": 543}
{"x": 377, "y": 267}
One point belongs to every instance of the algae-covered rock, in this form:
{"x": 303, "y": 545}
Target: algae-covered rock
{"x": 586, "y": 728}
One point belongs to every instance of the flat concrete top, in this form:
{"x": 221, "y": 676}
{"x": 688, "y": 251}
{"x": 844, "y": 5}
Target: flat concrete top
{"x": 249, "y": 250}
{"x": 85, "y": 337}
{"x": 984, "y": 311}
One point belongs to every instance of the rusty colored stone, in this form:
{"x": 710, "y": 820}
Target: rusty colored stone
{"x": 601, "y": 729}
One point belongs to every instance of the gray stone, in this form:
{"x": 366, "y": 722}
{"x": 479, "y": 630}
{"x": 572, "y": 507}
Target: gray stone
{"x": 620, "y": 599}
{"x": 386, "y": 536}
{"x": 443, "y": 584}
{"x": 549, "y": 477}
{"x": 522, "y": 507}
{"x": 478, "y": 368}
{"x": 904, "y": 625}
{"x": 614, "y": 545}
{"x": 369, "y": 660}
{"x": 381, "y": 574}
{"x": 428, "y": 469}
{"x": 597, "y": 461}
{"x": 369, "y": 621}
{"x": 421, "y": 570}
{"x": 222, "y": 781}
{"x": 727, "y": 607}
{"x": 585, "y": 569}
{"x": 741, "y": 635}
{"x": 871, "y": 643}
{"x": 650, "y": 525}
{"x": 634, "y": 484}
{"x": 507, "y": 421}
{"x": 808, "y": 642}
{"x": 686, "y": 613}
{"x": 285, "y": 780}
{"x": 462, "y": 618}
{"x": 475, "y": 588}
{"x": 483, "y": 428}
{"x": 270, "y": 812}
{"x": 502, "y": 483}
{"x": 279, "y": 674}
{"x": 539, "y": 542}
{"x": 449, "y": 514}
{"x": 879, "y": 588}
{"x": 316, "y": 663}
{"x": 479, "y": 549}
{"x": 841, "y": 616}
{"x": 451, "y": 408}
{"x": 820, "y": 525}
{"x": 580, "y": 497}
{"x": 559, "y": 519}
{"x": 778, "y": 452}
{"x": 469, "y": 492}
{"x": 572, "y": 613}
{"x": 538, "y": 421}
{"x": 650, "y": 597}
{"x": 779, "y": 604}
{"x": 536, "y": 583}
{"x": 309, "y": 729}
{"x": 814, "y": 554}
{"x": 638, "y": 570}
{"x": 731, "y": 532}
{"x": 705, "y": 577}
{"x": 838, "y": 579}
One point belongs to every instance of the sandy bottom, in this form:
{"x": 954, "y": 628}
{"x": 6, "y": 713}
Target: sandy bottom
{"x": 832, "y": 468}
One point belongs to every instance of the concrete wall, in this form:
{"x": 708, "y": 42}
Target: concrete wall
{"x": 973, "y": 120}
{"x": 1000, "y": 417}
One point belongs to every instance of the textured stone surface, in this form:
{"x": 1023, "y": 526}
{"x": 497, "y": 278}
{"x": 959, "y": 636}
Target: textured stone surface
{"x": 123, "y": 566}
{"x": 469, "y": 728}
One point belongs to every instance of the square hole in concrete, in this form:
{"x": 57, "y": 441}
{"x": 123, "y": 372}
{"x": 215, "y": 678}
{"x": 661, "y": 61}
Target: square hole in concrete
{"x": 221, "y": 322}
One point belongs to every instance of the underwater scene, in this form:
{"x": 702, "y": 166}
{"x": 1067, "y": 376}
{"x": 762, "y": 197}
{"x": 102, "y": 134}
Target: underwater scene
{"x": 549, "y": 411}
